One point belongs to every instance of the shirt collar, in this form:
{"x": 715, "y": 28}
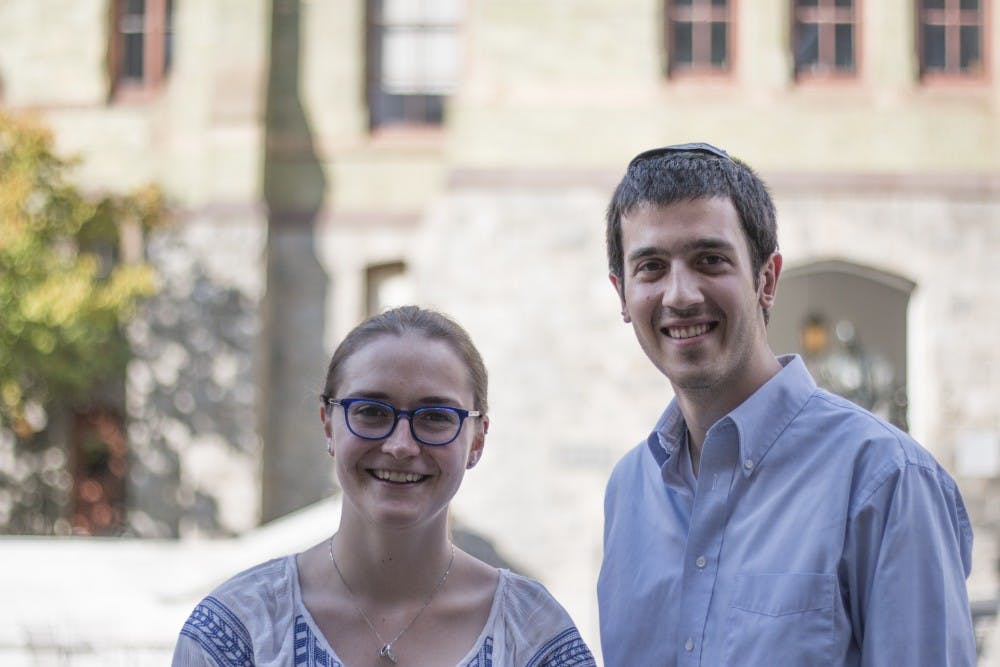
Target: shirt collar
{"x": 759, "y": 420}
{"x": 667, "y": 437}
{"x": 767, "y": 413}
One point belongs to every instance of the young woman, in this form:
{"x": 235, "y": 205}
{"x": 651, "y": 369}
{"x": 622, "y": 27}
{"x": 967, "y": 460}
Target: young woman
{"x": 404, "y": 413}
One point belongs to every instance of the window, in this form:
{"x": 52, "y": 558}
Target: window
{"x": 141, "y": 45}
{"x": 950, "y": 37}
{"x": 698, "y": 36}
{"x": 824, "y": 37}
{"x": 413, "y": 60}
{"x": 387, "y": 286}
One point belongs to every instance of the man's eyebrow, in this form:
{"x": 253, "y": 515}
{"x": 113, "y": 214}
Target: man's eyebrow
{"x": 642, "y": 253}
{"x": 709, "y": 243}
{"x": 706, "y": 243}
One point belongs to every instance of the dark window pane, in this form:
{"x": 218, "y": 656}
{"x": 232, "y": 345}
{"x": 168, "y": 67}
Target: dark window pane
{"x": 808, "y": 3}
{"x": 969, "y": 47}
{"x": 719, "y": 43}
{"x": 844, "y": 3}
{"x": 683, "y": 47}
{"x": 933, "y": 4}
{"x": 134, "y": 7}
{"x": 434, "y": 109}
{"x": 807, "y": 49}
{"x": 388, "y": 108}
{"x": 682, "y": 3}
{"x": 934, "y": 57}
{"x": 719, "y": 3}
{"x": 844, "y": 46}
{"x": 132, "y": 66}
{"x": 969, "y": 4}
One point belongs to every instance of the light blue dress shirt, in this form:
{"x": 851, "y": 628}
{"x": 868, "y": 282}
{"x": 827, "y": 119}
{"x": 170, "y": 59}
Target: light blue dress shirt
{"x": 814, "y": 534}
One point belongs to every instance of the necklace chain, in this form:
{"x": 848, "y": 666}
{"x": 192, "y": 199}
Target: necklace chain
{"x": 386, "y": 650}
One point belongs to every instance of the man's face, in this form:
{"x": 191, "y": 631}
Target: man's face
{"x": 688, "y": 288}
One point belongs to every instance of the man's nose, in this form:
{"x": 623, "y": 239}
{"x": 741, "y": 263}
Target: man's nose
{"x": 683, "y": 289}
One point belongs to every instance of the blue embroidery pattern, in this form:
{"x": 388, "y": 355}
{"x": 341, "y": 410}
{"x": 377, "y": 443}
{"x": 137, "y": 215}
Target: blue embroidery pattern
{"x": 307, "y": 649}
{"x": 564, "y": 650}
{"x": 485, "y": 656}
{"x": 220, "y": 633}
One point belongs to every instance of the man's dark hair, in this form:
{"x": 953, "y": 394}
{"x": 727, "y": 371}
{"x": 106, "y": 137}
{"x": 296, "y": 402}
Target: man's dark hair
{"x": 693, "y": 171}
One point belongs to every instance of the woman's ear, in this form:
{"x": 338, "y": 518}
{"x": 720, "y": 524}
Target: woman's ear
{"x": 327, "y": 431}
{"x": 478, "y": 443}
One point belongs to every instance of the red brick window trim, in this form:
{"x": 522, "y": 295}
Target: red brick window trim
{"x": 699, "y": 37}
{"x": 141, "y": 47}
{"x": 825, "y": 38}
{"x": 950, "y": 38}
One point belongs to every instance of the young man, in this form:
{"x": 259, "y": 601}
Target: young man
{"x": 764, "y": 521}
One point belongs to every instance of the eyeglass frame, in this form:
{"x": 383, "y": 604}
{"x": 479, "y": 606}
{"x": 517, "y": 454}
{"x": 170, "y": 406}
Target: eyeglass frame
{"x": 346, "y": 403}
{"x": 694, "y": 147}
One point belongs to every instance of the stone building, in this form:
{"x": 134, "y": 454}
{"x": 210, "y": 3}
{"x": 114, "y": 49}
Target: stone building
{"x": 326, "y": 158}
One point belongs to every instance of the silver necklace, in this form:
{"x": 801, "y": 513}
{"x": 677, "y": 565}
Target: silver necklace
{"x": 386, "y": 650}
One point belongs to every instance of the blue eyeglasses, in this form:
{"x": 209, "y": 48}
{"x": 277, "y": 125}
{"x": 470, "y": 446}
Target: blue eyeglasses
{"x": 435, "y": 425}
{"x": 697, "y": 147}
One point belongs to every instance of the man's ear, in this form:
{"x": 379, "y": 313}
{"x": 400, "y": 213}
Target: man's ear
{"x": 769, "y": 280}
{"x": 619, "y": 285}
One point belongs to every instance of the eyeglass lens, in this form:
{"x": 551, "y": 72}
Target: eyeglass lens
{"x": 432, "y": 425}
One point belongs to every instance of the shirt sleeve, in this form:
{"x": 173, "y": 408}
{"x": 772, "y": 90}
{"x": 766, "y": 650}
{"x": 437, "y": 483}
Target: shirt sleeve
{"x": 538, "y": 631}
{"x": 189, "y": 653}
{"x": 908, "y": 554}
{"x": 213, "y": 636}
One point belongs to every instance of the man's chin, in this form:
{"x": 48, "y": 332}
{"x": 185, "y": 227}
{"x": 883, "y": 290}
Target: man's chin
{"x": 693, "y": 381}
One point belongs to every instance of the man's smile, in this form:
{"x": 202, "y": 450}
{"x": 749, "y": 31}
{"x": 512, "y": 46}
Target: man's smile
{"x": 688, "y": 331}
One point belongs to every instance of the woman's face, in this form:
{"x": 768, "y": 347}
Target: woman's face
{"x": 397, "y": 481}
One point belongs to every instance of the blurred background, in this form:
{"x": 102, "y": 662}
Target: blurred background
{"x": 198, "y": 199}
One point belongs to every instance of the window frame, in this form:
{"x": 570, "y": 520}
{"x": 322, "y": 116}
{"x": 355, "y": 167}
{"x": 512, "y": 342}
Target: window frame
{"x": 827, "y": 16}
{"x": 376, "y": 277}
{"x": 951, "y": 17}
{"x": 157, "y": 31}
{"x": 701, "y": 14}
{"x": 379, "y": 122}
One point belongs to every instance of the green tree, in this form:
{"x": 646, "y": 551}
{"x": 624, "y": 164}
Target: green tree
{"x": 68, "y": 282}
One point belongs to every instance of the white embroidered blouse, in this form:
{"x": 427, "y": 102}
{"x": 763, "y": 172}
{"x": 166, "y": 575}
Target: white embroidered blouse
{"x": 257, "y": 619}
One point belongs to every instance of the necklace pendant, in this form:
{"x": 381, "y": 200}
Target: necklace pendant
{"x": 386, "y": 652}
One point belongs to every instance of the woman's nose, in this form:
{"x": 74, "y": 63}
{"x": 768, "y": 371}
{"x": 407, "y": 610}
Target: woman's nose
{"x": 401, "y": 443}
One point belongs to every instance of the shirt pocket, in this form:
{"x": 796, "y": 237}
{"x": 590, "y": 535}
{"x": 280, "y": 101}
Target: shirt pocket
{"x": 781, "y": 619}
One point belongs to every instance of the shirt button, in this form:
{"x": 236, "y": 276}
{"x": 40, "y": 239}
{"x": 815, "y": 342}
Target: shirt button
{"x": 689, "y": 645}
{"x": 748, "y": 464}
{"x": 701, "y": 561}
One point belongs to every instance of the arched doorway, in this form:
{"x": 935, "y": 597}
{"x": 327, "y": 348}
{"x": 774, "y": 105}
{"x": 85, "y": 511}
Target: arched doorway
{"x": 849, "y": 323}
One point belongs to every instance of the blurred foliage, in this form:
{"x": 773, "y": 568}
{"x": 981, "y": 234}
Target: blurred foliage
{"x": 67, "y": 280}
